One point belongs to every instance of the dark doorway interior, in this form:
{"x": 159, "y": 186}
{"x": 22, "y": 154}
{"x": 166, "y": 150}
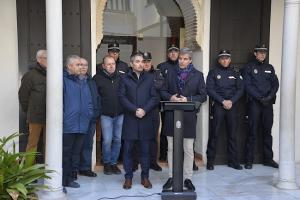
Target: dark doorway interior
{"x": 238, "y": 26}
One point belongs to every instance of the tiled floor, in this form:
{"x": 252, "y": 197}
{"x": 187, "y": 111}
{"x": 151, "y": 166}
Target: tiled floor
{"x": 223, "y": 183}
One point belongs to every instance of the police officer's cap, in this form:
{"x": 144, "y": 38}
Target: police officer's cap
{"x": 147, "y": 56}
{"x": 261, "y": 47}
{"x": 173, "y": 47}
{"x": 224, "y": 53}
{"x": 113, "y": 47}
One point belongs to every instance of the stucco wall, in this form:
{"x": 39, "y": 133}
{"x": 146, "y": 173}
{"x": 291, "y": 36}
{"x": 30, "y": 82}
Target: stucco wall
{"x": 9, "y": 115}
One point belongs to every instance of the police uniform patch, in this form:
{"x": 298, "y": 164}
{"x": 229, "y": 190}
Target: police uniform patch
{"x": 255, "y": 71}
{"x": 219, "y": 76}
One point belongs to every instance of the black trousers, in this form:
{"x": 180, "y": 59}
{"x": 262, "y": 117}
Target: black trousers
{"x": 259, "y": 116}
{"x": 219, "y": 115}
{"x": 72, "y": 145}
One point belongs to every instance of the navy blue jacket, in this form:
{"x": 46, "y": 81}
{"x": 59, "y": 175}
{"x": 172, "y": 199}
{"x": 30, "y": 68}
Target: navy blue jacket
{"x": 122, "y": 66}
{"x": 138, "y": 93}
{"x": 77, "y": 104}
{"x": 194, "y": 90}
{"x": 260, "y": 80}
{"x": 166, "y": 66}
{"x": 224, "y": 83}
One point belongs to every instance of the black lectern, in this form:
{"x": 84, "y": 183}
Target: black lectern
{"x": 177, "y": 191}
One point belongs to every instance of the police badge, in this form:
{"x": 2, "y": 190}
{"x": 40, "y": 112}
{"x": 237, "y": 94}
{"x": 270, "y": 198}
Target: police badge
{"x": 255, "y": 71}
{"x": 219, "y": 76}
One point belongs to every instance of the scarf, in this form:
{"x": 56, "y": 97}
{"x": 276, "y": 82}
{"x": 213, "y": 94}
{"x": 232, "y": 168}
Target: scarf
{"x": 182, "y": 75}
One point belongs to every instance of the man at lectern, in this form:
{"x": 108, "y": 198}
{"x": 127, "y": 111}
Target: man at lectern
{"x": 183, "y": 83}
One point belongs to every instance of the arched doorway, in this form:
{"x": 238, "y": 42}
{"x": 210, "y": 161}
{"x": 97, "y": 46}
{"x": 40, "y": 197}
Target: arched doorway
{"x": 116, "y": 22}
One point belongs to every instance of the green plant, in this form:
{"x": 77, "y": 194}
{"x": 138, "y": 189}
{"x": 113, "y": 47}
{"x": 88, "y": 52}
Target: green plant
{"x": 18, "y": 172}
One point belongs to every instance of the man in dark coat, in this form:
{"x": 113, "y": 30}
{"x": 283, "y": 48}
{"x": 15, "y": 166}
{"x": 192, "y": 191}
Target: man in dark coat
{"x": 138, "y": 97}
{"x": 261, "y": 84}
{"x": 158, "y": 83}
{"x": 225, "y": 87}
{"x": 183, "y": 83}
{"x": 77, "y": 113}
{"x": 107, "y": 80}
{"x": 164, "y": 67}
{"x": 32, "y": 98}
{"x": 84, "y": 163}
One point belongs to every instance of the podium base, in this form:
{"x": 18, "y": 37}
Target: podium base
{"x": 184, "y": 195}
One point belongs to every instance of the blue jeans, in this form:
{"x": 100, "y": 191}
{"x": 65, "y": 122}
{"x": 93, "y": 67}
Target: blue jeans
{"x": 111, "y": 135}
{"x": 87, "y": 149}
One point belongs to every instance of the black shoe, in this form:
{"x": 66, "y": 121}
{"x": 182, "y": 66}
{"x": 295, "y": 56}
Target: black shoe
{"x": 235, "y": 166}
{"x": 189, "y": 185}
{"x": 248, "y": 166}
{"x": 74, "y": 175}
{"x": 271, "y": 163}
{"x": 65, "y": 190}
{"x": 155, "y": 167}
{"x": 195, "y": 167}
{"x": 88, "y": 173}
{"x": 107, "y": 169}
{"x": 168, "y": 184}
{"x": 73, "y": 184}
{"x": 210, "y": 166}
{"x": 115, "y": 169}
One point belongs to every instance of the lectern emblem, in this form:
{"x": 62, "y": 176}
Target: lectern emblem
{"x": 178, "y": 124}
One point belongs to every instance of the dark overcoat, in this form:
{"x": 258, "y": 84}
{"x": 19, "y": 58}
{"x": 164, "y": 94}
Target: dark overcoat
{"x": 194, "y": 90}
{"x": 137, "y": 93}
{"x": 32, "y": 94}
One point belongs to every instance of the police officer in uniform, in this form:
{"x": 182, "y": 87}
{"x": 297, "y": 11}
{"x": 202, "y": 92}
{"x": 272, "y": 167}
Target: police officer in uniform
{"x": 171, "y": 63}
{"x": 225, "y": 87}
{"x": 114, "y": 51}
{"x": 158, "y": 83}
{"x": 261, "y": 85}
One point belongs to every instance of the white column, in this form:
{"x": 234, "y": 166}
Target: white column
{"x": 54, "y": 100}
{"x": 287, "y": 176}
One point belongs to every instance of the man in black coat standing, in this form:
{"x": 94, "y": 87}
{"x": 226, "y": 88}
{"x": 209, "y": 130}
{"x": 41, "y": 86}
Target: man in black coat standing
{"x": 261, "y": 84}
{"x": 32, "y": 98}
{"x": 164, "y": 67}
{"x": 225, "y": 88}
{"x": 138, "y": 97}
{"x": 183, "y": 83}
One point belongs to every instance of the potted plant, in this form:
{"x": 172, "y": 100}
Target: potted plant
{"x": 18, "y": 172}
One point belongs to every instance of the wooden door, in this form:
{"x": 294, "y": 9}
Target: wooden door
{"x": 238, "y": 25}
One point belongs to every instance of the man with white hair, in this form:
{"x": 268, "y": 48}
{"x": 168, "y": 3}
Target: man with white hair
{"x": 32, "y": 98}
{"x": 77, "y": 114}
